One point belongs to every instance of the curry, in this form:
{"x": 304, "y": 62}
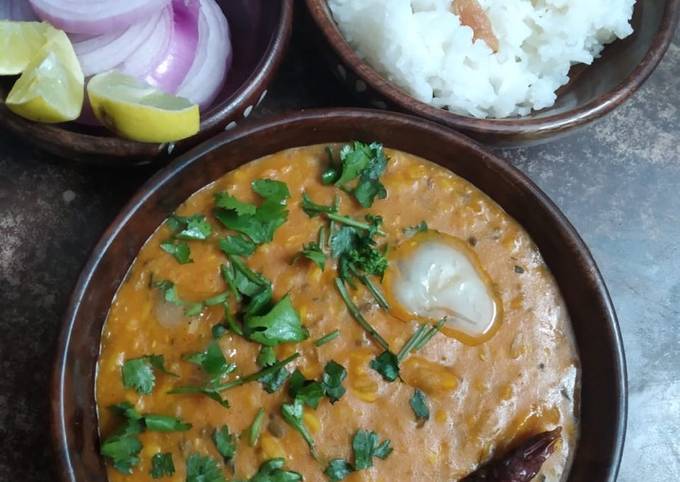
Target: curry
{"x": 280, "y": 327}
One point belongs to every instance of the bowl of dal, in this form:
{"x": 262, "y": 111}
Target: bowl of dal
{"x": 335, "y": 295}
{"x": 505, "y": 73}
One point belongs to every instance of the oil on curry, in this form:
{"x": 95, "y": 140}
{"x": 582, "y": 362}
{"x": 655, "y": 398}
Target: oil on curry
{"x": 338, "y": 313}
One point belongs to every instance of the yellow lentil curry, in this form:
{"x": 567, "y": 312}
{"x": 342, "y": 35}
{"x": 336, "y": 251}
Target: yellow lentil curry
{"x": 213, "y": 313}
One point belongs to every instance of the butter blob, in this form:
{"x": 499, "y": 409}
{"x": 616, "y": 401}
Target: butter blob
{"x": 433, "y": 276}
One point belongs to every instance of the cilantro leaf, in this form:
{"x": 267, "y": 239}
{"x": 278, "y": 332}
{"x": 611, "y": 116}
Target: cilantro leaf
{"x": 387, "y": 365}
{"x": 126, "y": 410}
{"x": 355, "y": 158}
{"x": 237, "y": 245}
{"x": 257, "y": 222}
{"x": 190, "y": 227}
{"x": 292, "y": 413}
{"x": 274, "y": 380}
{"x": 418, "y": 228}
{"x": 327, "y": 338}
{"x": 179, "y": 249}
{"x": 202, "y": 468}
{"x": 225, "y": 443}
{"x": 333, "y": 376}
{"x": 365, "y": 163}
{"x": 281, "y": 324}
{"x": 162, "y": 465}
{"x": 138, "y": 373}
{"x": 209, "y": 391}
{"x": 122, "y": 447}
{"x": 212, "y": 361}
{"x": 226, "y": 201}
{"x": 164, "y": 423}
{"x": 313, "y": 209}
{"x": 313, "y": 252}
{"x": 343, "y": 241}
{"x": 338, "y": 469}
{"x": 266, "y": 357}
{"x": 308, "y": 392}
{"x": 256, "y": 428}
{"x": 272, "y": 471}
{"x": 271, "y": 190}
{"x": 365, "y": 446}
{"x": 419, "y": 406}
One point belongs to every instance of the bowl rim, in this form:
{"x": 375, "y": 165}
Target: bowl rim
{"x": 569, "y": 237}
{"x": 542, "y": 126}
{"x": 55, "y": 136}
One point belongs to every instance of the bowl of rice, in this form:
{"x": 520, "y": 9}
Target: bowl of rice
{"x": 506, "y": 72}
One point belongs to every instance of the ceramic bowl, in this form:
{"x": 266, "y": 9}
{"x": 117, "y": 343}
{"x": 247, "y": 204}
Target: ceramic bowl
{"x": 603, "y": 403}
{"x": 592, "y": 92}
{"x": 260, "y": 31}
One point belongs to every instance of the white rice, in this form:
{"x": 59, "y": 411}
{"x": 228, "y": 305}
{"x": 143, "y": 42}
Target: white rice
{"x": 421, "y": 46}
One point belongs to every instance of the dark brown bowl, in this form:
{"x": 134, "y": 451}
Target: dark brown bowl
{"x": 603, "y": 403}
{"x": 260, "y": 32}
{"x": 592, "y": 92}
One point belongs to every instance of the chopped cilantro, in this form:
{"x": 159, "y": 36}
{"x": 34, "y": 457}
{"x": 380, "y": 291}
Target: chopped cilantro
{"x": 281, "y": 324}
{"x": 179, "y": 249}
{"x": 314, "y": 209}
{"x": 365, "y": 446}
{"x": 338, "y": 469}
{"x": 272, "y": 471}
{"x": 164, "y": 423}
{"x": 256, "y": 428}
{"x": 225, "y": 443}
{"x": 257, "y": 222}
{"x": 314, "y": 253}
{"x": 266, "y": 357}
{"x": 122, "y": 447}
{"x": 274, "y": 380}
{"x": 237, "y": 245}
{"x": 418, "y": 403}
{"x": 420, "y": 337}
{"x": 212, "y": 361}
{"x": 387, "y": 364}
{"x": 170, "y": 295}
{"x": 213, "y": 391}
{"x": 292, "y": 413}
{"x": 138, "y": 373}
{"x": 162, "y": 465}
{"x": 202, "y": 468}
{"x": 364, "y": 163}
{"x": 308, "y": 392}
{"x": 356, "y": 314}
{"x": 327, "y": 338}
{"x": 333, "y": 376}
{"x": 418, "y": 228}
{"x": 190, "y": 227}
{"x": 271, "y": 190}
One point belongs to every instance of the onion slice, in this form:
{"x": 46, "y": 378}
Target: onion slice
{"x": 165, "y": 58}
{"x": 95, "y": 16}
{"x": 18, "y": 10}
{"x": 213, "y": 57}
{"x": 104, "y": 52}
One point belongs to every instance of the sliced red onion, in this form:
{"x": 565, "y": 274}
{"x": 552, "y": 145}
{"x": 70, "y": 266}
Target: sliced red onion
{"x": 18, "y": 10}
{"x": 95, "y": 16}
{"x": 104, "y": 52}
{"x": 165, "y": 58}
{"x": 213, "y": 57}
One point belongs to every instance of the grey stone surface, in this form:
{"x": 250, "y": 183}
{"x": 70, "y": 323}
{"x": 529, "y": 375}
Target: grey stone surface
{"x": 618, "y": 182}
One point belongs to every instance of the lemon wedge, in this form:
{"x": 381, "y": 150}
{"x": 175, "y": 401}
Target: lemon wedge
{"x": 51, "y": 86}
{"x": 135, "y": 110}
{"x": 19, "y": 43}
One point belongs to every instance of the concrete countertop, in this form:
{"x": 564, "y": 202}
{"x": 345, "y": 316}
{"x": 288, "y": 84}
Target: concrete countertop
{"x": 617, "y": 181}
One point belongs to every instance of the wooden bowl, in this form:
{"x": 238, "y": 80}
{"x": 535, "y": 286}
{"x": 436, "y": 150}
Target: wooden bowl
{"x": 603, "y": 403}
{"x": 260, "y": 32}
{"x": 592, "y": 92}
